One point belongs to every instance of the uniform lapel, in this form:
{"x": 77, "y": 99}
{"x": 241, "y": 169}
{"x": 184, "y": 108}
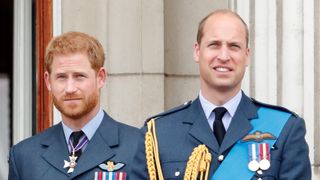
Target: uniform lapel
{"x": 56, "y": 149}
{"x": 99, "y": 148}
{"x": 200, "y": 129}
{"x": 240, "y": 124}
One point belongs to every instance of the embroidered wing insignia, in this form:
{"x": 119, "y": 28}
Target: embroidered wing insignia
{"x": 258, "y": 136}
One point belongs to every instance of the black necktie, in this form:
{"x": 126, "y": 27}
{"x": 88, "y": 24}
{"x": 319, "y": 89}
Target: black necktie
{"x": 218, "y": 127}
{"x": 76, "y": 135}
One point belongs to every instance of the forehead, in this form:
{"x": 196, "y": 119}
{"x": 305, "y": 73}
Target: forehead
{"x": 70, "y": 62}
{"x": 224, "y": 25}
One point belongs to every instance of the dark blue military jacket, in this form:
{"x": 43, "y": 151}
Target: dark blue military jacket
{"x": 182, "y": 129}
{"x": 42, "y": 156}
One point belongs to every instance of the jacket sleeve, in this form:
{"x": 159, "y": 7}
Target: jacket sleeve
{"x": 295, "y": 163}
{"x": 139, "y": 167}
{"x": 13, "y": 172}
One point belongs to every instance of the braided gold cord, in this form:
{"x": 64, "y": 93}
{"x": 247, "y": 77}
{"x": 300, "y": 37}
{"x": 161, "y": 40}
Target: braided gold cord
{"x": 152, "y": 154}
{"x": 149, "y": 156}
{"x": 199, "y": 162}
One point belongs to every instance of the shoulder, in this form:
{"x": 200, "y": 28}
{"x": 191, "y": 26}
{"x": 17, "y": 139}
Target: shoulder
{"x": 128, "y": 129}
{"x": 108, "y": 121}
{"x": 38, "y": 137}
{"x": 174, "y": 110}
{"x": 274, "y": 107}
{"x": 29, "y": 144}
{"x": 110, "y": 126}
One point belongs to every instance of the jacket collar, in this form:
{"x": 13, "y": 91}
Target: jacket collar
{"x": 97, "y": 151}
{"x": 239, "y": 127}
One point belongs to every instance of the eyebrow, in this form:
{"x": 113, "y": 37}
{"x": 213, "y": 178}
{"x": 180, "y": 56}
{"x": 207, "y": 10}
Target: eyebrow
{"x": 221, "y": 42}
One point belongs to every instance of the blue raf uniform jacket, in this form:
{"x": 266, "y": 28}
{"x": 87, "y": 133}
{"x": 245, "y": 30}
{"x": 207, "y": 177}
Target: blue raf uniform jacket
{"x": 182, "y": 129}
{"x": 42, "y": 156}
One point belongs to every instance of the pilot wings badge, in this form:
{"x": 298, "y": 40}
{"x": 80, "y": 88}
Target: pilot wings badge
{"x": 111, "y": 166}
{"x": 258, "y": 136}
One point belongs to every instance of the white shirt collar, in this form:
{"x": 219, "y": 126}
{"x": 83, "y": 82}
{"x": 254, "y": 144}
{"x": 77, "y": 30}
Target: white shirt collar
{"x": 89, "y": 129}
{"x": 231, "y": 105}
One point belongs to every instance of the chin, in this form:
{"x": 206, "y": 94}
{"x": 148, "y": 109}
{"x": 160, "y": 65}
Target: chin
{"x": 224, "y": 87}
{"x": 74, "y": 115}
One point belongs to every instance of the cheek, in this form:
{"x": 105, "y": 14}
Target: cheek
{"x": 57, "y": 88}
{"x": 207, "y": 54}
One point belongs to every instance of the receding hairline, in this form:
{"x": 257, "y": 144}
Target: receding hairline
{"x": 221, "y": 12}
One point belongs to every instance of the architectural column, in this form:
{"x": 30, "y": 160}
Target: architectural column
{"x": 316, "y": 81}
{"x": 292, "y": 55}
{"x": 22, "y": 76}
{"x": 309, "y": 78}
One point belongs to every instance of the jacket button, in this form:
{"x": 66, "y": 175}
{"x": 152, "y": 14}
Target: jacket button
{"x": 220, "y": 158}
{"x": 177, "y": 173}
{"x": 259, "y": 172}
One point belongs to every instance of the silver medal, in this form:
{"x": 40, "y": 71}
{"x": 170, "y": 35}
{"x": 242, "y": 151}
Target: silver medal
{"x": 264, "y": 164}
{"x": 253, "y": 165}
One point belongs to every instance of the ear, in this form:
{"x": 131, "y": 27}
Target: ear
{"x": 196, "y": 52}
{"x": 47, "y": 80}
{"x": 247, "y": 56}
{"x": 102, "y": 77}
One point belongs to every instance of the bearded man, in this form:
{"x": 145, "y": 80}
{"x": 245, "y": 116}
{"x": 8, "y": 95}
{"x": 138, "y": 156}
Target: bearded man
{"x": 88, "y": 143}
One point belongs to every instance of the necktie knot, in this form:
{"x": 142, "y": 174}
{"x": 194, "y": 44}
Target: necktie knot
{"x": 75, "y": 136}
{"x": 77, "y": 141}
{"x": 219, "y": 112}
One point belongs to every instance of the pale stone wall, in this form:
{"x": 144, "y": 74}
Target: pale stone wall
{"x": 180, "y": 25}
{"x": 132, "y": 34}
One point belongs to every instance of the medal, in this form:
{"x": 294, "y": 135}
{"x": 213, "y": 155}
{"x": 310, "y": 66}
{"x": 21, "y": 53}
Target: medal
{"x": 72, "y": 164}
{"x": 253, "y": 164}
{"x": 259, "y": 157}
{"x": 264, "y": 164}
{"x": 264, "y": 154}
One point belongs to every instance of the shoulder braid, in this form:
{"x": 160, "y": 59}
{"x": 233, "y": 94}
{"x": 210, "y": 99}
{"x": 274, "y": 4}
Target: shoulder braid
{"x": 152, "y": 154}
{"x": 199, "y": 161}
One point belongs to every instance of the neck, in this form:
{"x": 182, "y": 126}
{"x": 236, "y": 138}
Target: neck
{"x": 76, "y": 124}
{"x": 218, "y": 96}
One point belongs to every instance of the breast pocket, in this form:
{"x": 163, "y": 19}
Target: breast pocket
{"x": 271, "y": 173}
{"x": 174, "y": 170}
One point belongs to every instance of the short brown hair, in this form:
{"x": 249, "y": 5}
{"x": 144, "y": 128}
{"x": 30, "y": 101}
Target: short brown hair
{"x": 74, "y": 42}
{"x": 220, "y": 11}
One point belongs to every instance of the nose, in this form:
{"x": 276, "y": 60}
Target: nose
{"x": 70, "y": 86}
{"x": 224, "y": 54}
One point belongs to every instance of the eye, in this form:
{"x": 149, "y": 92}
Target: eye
{"x": 235, "y": 46}
{"x": 80, "y": 76}
{"x": 61, "y": 76}
{"x": 214, "y": 44}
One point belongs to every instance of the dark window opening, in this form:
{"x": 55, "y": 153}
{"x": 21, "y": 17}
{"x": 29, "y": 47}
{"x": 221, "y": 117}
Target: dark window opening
{"x": 6, "y": 62}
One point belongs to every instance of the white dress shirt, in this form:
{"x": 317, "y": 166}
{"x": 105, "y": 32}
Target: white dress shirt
{"x": 231, "y": 107}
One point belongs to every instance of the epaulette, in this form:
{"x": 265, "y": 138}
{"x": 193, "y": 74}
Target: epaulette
{"x": 170, "y": 111}
{"x": 280, "y": 108}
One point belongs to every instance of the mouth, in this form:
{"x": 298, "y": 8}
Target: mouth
{"x": 222, "y": 69}
{"x": 72, "y": 99}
